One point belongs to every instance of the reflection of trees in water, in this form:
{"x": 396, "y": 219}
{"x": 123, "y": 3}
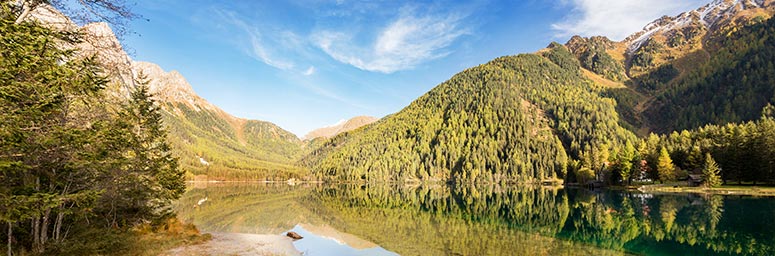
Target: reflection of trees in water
{"x": 660, "y": 224}
{"x": 246, "y": 207}
{"x": 478, "y": 220}
{"x": 622, "y": 221}
{"x": 441, "y": 220}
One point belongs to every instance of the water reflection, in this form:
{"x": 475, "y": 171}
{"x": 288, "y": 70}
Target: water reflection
{"x": 491, "y": 220}
{"x": 322, "y": 243}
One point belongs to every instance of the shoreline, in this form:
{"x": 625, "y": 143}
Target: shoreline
{"x": 729, "y": 190}
{"x": 239, "y": 244}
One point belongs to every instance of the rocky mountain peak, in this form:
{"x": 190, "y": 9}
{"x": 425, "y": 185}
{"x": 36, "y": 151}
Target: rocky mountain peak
{"x": 170, "y": 86}
{"x": 708, "y": 17}
{"x": 97, "y": 39}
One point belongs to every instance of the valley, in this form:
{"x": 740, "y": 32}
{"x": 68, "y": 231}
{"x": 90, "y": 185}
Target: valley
{"x": 656, "y": 144}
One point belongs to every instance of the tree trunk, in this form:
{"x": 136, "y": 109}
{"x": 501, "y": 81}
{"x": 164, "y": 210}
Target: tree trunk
{"x": 35, "y": 233}
{"x": 44, "y": 229}
{"x": 10, "y": 238}
{"x": 58, "y": 226}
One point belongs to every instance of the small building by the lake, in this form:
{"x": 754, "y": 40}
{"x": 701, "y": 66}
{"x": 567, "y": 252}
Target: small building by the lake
{"x": 694, "y": 180}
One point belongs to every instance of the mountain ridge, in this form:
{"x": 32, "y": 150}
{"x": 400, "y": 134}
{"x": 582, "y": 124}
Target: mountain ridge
{"x": 207, "y": 140}
{"x": 342, "y": 126}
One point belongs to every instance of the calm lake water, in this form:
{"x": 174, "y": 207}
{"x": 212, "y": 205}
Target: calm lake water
{"x": 485, "y": 220}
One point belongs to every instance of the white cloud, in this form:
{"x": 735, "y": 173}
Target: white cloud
{"x": 310, "y": 71}
{"x": 616, "y": 19}
{"x": 260, "y": 52}
{"x": 403, "y": 44}
{"x": 264, "y": 48}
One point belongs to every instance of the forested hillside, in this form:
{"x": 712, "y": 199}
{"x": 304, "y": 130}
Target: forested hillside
{"x": 734, "y": 85}
{"x": 712, "y": 65}
{"x": 209, "y": 144}
{"x": 515, "y": 119}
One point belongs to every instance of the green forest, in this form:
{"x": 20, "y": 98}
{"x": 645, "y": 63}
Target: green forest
{"x": 78, "y": 172}
{"x": 511, "y": 120}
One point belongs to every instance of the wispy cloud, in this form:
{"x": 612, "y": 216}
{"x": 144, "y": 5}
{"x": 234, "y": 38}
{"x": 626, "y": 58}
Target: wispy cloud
{"x": 310, "y": 71}
{"x": 616, "y": 19}
{"x": 404, "y": 43}
{"x": 319, "y": 90}
{"x": 262, "y": 47}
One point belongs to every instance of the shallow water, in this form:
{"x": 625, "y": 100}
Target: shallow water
{"x": 485, "y": 220}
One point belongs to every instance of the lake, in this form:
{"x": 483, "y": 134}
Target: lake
{"x": 485, "y": 220}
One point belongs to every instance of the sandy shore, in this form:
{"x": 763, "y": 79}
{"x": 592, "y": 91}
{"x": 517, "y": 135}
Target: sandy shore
{"x": 240, "y": 244}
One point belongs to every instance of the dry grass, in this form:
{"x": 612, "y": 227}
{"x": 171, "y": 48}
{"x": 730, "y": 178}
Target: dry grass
{"x": 171, "y": 234}
{"x": 599, "y": 80}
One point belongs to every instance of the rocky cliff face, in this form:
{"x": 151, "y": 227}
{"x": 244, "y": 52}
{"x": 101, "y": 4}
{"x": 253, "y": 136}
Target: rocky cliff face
{"x": 171, "y": 86}
{"x": 690, "y": 35}
{"x": 683, "y": 40}
{"x": 691, "y": 24}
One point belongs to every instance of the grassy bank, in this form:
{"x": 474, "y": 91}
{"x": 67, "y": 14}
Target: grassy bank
{"x": 141, "y": 240}
{"x": 749, "y": 190}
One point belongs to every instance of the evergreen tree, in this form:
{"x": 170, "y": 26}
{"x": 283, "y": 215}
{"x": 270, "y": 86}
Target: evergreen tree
{"x": 665, "y": 166}
{"x": 45, "y": 134}
{"x": 712, "y": 172}
{"x": 65, "y": 153}
{"x": 150, "y": 179}
{"x": 626, "y": 159}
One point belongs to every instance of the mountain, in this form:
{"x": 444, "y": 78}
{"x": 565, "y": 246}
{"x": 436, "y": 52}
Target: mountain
{"x": 707, "y": 66}
{"x": 673, "y": 67}
{"x": 343, "y": 126}
{"x": 514, "y": 119}
{"x": 207, "y": 140}
{"x": 211, "y": 142}
{"x": 568, "y": 110}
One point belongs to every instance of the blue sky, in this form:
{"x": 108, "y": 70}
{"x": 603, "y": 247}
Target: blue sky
{"x": 305, "y": 64}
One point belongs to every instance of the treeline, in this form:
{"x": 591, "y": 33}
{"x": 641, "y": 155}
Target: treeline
{"x": 593, "y": 56}
{"x": 742, "y": 152}
{"x": 74, "y": 167}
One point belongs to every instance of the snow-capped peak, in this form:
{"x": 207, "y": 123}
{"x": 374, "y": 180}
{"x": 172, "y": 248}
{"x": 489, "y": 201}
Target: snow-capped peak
{"x": 706, "y": 17}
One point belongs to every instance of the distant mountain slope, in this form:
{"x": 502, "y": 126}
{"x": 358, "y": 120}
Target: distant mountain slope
{"x": 212, "y": 142}
{"x": 344, "y": 126}
{"x": 207, "y": 140}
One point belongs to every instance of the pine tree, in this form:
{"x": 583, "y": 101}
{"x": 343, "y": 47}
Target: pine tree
{"x": 150, "y": 179}
{"x": 665, "y": 166}
{"x": 712, "y": 172}
{"x": 626, "y": 158}
{"x": 44, "y": 133}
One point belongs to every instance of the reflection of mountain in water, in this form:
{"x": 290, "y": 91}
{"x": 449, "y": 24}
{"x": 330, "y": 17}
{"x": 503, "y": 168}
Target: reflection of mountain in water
{"x": 492, "y": 220}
